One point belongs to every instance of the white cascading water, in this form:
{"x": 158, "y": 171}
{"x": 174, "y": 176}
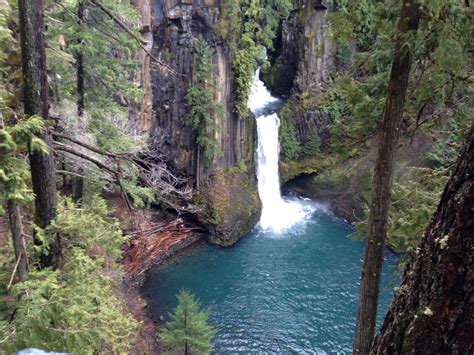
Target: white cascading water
{"x": 278, "y": 214}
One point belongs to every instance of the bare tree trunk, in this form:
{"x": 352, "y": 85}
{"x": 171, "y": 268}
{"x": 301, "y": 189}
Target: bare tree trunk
{"x": 80, "y": 64}
{"x": 433, "y": 309}
{"x": 77, "y": 181}
{"x": 35, "y": 91}
{"x": 382, "y": 180}
{"x": 16, "y": 227}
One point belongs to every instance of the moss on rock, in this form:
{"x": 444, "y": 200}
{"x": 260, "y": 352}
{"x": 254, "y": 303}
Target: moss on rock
{"x": 230, "y": 206}
{"x": 344, "y": 186}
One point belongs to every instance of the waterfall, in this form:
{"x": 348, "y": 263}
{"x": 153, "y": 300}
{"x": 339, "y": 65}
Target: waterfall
{"x": 278, "y": 213}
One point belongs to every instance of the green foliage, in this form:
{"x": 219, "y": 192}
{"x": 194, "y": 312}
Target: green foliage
{"x": 14, "y": 170}
{"x": 413, "y": 205}
{"x": 438, "y": 82}
{"x": 205, "y": 114}
{"x": 109, "y": 61}
{"x": 87, "y": 228}
{"x": 448, "y": 143}
{"x": 241, "y": 167}
{"x": 71, "y": 310}
{"x": 247, "y": 25}
{"x": 188, "y": 330}
{"x": 312, "y": 146}
{"x": 415, "y": 197}
{"x": 291, "y": 147}
{"x": 6, "y": 37}
{"x": 75, "y": 308}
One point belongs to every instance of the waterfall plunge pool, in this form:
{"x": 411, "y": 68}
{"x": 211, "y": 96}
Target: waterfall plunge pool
{"x": 289, "y": 292}
{"x": 291, "y": 286}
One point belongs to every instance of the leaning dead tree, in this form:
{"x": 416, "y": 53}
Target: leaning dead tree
{"x": 124, "y": 169}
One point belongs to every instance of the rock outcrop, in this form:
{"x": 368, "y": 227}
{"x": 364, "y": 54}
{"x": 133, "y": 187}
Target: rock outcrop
{"x": 176, "y": 26}
{"x": 230, "y": 206}
{"x": 301, "y": 65}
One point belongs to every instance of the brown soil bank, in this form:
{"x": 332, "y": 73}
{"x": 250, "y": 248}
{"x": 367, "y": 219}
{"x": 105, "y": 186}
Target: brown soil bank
{"x": 155, "y": 237}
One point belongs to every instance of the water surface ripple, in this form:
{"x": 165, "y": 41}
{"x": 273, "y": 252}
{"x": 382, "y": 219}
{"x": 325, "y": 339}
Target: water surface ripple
{"x": 292, "y": 292}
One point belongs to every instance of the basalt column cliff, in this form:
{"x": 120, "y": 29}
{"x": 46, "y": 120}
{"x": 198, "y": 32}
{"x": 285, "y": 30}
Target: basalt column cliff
{"x": 225, "y": 188}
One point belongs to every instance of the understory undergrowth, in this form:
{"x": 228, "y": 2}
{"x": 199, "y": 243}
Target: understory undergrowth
{"x": 76, "y": 308}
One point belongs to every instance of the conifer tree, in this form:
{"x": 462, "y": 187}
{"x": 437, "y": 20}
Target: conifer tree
{"x": 35, "y": 93}
{"x": 94, "y": 61}
{"x": 188, "y": 331}
{"x": 432, "y": 311}
{"x": 205, "y": 113}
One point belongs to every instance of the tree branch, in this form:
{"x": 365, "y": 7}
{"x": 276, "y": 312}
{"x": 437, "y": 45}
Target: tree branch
{"x": 70, "y": 150}
{"x": 134, "y": 36}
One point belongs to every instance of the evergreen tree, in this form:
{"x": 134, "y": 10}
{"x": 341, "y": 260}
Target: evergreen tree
{"x": 35, "y": 95}
{"x": 289, "y": 141}
{"x": 205, "y": 114}
{"x": 75, "y": 308}
{"x": 432, "y": 311}
{"x": 312, "y": 146}
{"x": 94, "y": 61}
{"x": 188, "y": 331}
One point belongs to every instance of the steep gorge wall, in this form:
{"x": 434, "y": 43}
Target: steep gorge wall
{"x": 176, "y": 28}
{"x": 302, "y": 63}
{"x": 302, "y": 66}
{"x": 171, "y": 29}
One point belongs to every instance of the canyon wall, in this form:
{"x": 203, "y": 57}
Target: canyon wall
{"x": 302, "y": 63}
{"x": 176, "y": 27}
{"x": 171, "y": 29}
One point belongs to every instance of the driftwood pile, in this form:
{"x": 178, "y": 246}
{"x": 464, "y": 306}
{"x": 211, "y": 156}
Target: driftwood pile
{"x": 154, "y": 243}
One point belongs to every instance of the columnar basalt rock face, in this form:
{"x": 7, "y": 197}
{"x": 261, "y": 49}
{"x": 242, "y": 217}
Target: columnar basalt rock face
{"x": 177, "y": 26}
{"x": 315, "y": 49}
{"x": 302, "y": 62}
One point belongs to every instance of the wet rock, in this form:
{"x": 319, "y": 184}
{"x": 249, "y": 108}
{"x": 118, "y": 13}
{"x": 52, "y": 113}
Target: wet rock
{"x": 175, "y": 13}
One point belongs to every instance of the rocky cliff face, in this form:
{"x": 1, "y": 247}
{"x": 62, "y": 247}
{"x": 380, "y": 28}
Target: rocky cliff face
{"x": 173, "y": 31}
{"x": 302, "y": 63}
{"x": 176, "y": 28}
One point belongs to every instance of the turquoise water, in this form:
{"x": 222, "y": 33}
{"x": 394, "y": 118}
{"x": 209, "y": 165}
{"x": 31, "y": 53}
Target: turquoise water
{"x": 292, "y": 292}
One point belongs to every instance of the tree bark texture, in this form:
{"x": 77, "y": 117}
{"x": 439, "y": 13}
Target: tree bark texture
{"x": 19, "y": 247}
{"x": 77, "y": 181}
{"x": 382, "y": 180}
{"x": 35, "y": 91}
{"x": 433, "y": 309}
{"x": 80, "y": 64}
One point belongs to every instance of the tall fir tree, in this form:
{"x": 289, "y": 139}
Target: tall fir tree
{"x": 35, "y": 96}
{"x": 205, "y": 113}
{"x": 432, "y": 311}
{"x": 382, "y": 179}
